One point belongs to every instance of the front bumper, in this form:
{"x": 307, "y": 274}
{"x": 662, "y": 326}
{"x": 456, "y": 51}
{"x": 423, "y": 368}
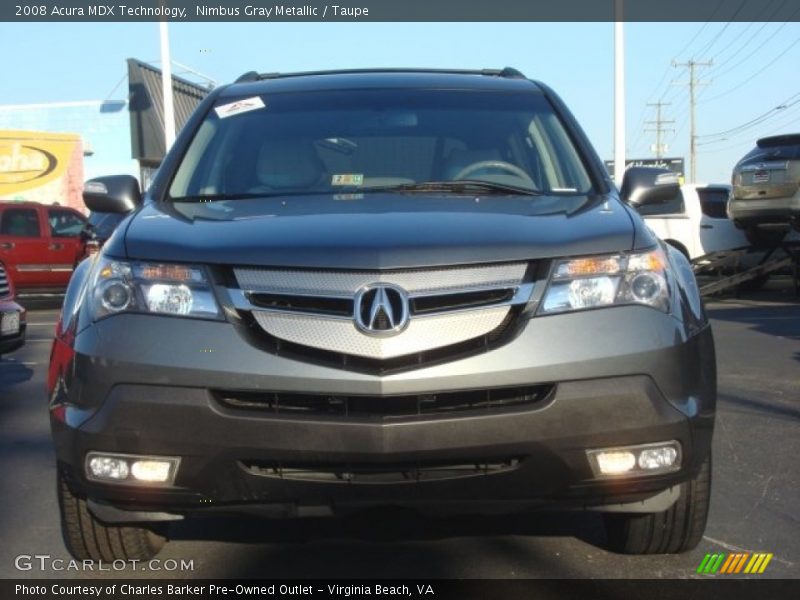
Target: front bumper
{"x": 13, "y": 341}
{"x": 141, "y": 385}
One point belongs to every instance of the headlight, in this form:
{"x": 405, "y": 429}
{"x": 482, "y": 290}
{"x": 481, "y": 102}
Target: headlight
{"x": 599, "y": 281}
{"x": 166, "y": 289}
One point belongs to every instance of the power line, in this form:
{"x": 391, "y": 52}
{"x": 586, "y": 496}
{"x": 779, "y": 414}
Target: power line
{"x": 789, "y": 102}
{"x": 713, "y": 41}
{"x": 754, "y": 75}
{"x": 742, "y": 47}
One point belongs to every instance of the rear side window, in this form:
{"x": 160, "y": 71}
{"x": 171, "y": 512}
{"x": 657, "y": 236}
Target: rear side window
{"x": 787, "y": 152}
{"x": 64, "y": 223}
{"x": 714, "y": 202}
{"x": 672, "y": 206}
{"x": 19, "y": 222}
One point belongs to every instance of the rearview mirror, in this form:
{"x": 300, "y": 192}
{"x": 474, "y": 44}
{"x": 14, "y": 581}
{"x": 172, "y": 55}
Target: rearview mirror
{"x": 112, "y": 194}
{"x": 648, "y": 185}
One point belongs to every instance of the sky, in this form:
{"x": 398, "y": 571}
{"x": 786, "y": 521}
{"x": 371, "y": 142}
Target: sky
{"x": 755, "y": 70}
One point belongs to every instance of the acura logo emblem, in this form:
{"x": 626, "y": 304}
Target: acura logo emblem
{"x": 381, "y": 309}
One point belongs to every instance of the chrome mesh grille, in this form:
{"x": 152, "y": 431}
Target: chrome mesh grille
{"x": 318, "y": 309}
{"x": 347, "y": 283}
{"x": 340, "y": 335}
{"x": 5, "y": 289}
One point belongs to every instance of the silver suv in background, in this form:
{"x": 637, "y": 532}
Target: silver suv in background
{"x": 766, "y": 190}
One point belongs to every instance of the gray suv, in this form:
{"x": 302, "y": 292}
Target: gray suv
{"x": 766, "y": 190}
{"x": 368, "y": 288}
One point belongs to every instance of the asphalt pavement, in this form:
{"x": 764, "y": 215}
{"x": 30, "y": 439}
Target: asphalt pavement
{"x": 754, "y": 506}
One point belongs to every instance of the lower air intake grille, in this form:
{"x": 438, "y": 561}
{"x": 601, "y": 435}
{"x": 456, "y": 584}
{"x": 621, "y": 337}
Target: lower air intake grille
{"x": 381, "y": 473}
{"x": 385, "y": 407}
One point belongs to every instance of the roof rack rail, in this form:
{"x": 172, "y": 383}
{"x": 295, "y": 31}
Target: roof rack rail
{"x": 249, "y": 76}
{"x": 507, "y": 72}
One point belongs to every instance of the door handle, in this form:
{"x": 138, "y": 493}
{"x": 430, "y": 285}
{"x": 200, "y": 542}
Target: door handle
{"x": 706, "y": 227}
{"x": 56, "y": 246}
{"x": 7, "y": 245}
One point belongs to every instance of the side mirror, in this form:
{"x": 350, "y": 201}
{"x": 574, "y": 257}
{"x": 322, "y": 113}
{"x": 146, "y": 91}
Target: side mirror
{"x": 113, "y": 194}
{"x": 648, "y": 185}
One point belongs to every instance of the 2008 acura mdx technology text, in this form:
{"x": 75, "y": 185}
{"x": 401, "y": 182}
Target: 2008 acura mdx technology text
{"x": 389, "y": 287}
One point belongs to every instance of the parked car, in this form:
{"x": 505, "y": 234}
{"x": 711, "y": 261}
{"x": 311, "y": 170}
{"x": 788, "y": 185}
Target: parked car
{"x": 367, "y": 288}
{"x": 766, "y": 190}
{"x": 695, "y": 220}
{"x": 12, "y": 316}
{"x": 40, "y": 244}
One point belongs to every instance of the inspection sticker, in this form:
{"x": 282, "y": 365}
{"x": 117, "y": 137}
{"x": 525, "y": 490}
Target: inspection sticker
{"x": 348, "y": 179}
{"x": 239, "y": 107}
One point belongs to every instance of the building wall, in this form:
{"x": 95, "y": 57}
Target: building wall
{"x": 102, "y": 126}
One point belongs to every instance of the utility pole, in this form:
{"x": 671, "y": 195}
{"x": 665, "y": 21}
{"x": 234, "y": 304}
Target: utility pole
{"x": 693, "y": 85}
{"x": 659, "y": 129}
{"x": 619, "y": 92}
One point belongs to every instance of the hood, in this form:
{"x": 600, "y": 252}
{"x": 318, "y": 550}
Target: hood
{"x": 377, "y": 231}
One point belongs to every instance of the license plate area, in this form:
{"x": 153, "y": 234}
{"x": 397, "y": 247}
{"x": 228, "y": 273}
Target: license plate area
{"x": 9, "y": 323}
{"x": 761, "y": 176}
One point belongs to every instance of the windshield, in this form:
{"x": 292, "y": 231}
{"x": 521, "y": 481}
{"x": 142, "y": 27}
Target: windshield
{"x": 387, "y": 140}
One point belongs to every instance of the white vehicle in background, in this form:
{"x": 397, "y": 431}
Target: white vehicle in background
{"x": 695, "y": 220}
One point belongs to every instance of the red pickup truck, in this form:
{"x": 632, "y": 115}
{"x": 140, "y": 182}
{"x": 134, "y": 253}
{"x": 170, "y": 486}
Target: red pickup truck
{"x": 40, "y": 244}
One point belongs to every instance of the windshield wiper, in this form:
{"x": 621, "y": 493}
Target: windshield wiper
{"x": 464, "y": 186}
{"x": 216, "y": 197}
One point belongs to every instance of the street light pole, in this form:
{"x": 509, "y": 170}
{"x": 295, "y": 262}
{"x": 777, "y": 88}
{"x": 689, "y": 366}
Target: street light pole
{"x": 619, "y": 93}
{"x": 166, "y": 87}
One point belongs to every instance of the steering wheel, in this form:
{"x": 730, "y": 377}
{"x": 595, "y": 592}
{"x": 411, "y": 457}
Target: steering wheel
{"x": 499, "y": 165}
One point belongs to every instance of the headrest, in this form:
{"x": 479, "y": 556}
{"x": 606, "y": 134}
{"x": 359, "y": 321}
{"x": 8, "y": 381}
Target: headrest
{"x": 288, "y": 164}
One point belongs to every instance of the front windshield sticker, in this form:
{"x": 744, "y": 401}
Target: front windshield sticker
{"x": 347, "y": 179}
{"x": 239, "y": 107}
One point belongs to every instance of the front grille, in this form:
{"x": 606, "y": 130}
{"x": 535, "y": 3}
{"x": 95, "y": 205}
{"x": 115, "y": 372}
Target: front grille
{"x": 478, "y": 299}
{"x": 386, "y": 407}
{"x": 5, "y": 289}
{"x": 342, "y": 307}
{"x": 502, "y": 334}
{"x": 320, "y": 315}
{"x": 365, "y": 473}
{"x": 346, "y": 283}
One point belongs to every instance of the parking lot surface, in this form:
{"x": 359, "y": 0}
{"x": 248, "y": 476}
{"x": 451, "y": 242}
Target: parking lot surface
{"x": 753, "y": 507}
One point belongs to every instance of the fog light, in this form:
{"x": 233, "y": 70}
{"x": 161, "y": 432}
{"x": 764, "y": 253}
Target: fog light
{"x": 131, "y": 469}
{"x": 632, "y": 461}
{"x": 151, "y": 470}
{"x": 108, "y": 467}
{"x": 657, "y": 458}
{"x": 614, "y": 463}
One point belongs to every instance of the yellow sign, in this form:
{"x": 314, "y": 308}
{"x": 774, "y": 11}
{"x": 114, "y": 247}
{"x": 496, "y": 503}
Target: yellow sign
{"x": 31, "y": 159}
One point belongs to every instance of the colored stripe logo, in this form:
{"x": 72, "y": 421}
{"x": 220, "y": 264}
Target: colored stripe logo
{"x": 731, "y": 564}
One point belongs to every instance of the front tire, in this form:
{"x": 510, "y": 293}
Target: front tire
{"x": 677, "y": 529}
{"x": 88, "y": 538}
